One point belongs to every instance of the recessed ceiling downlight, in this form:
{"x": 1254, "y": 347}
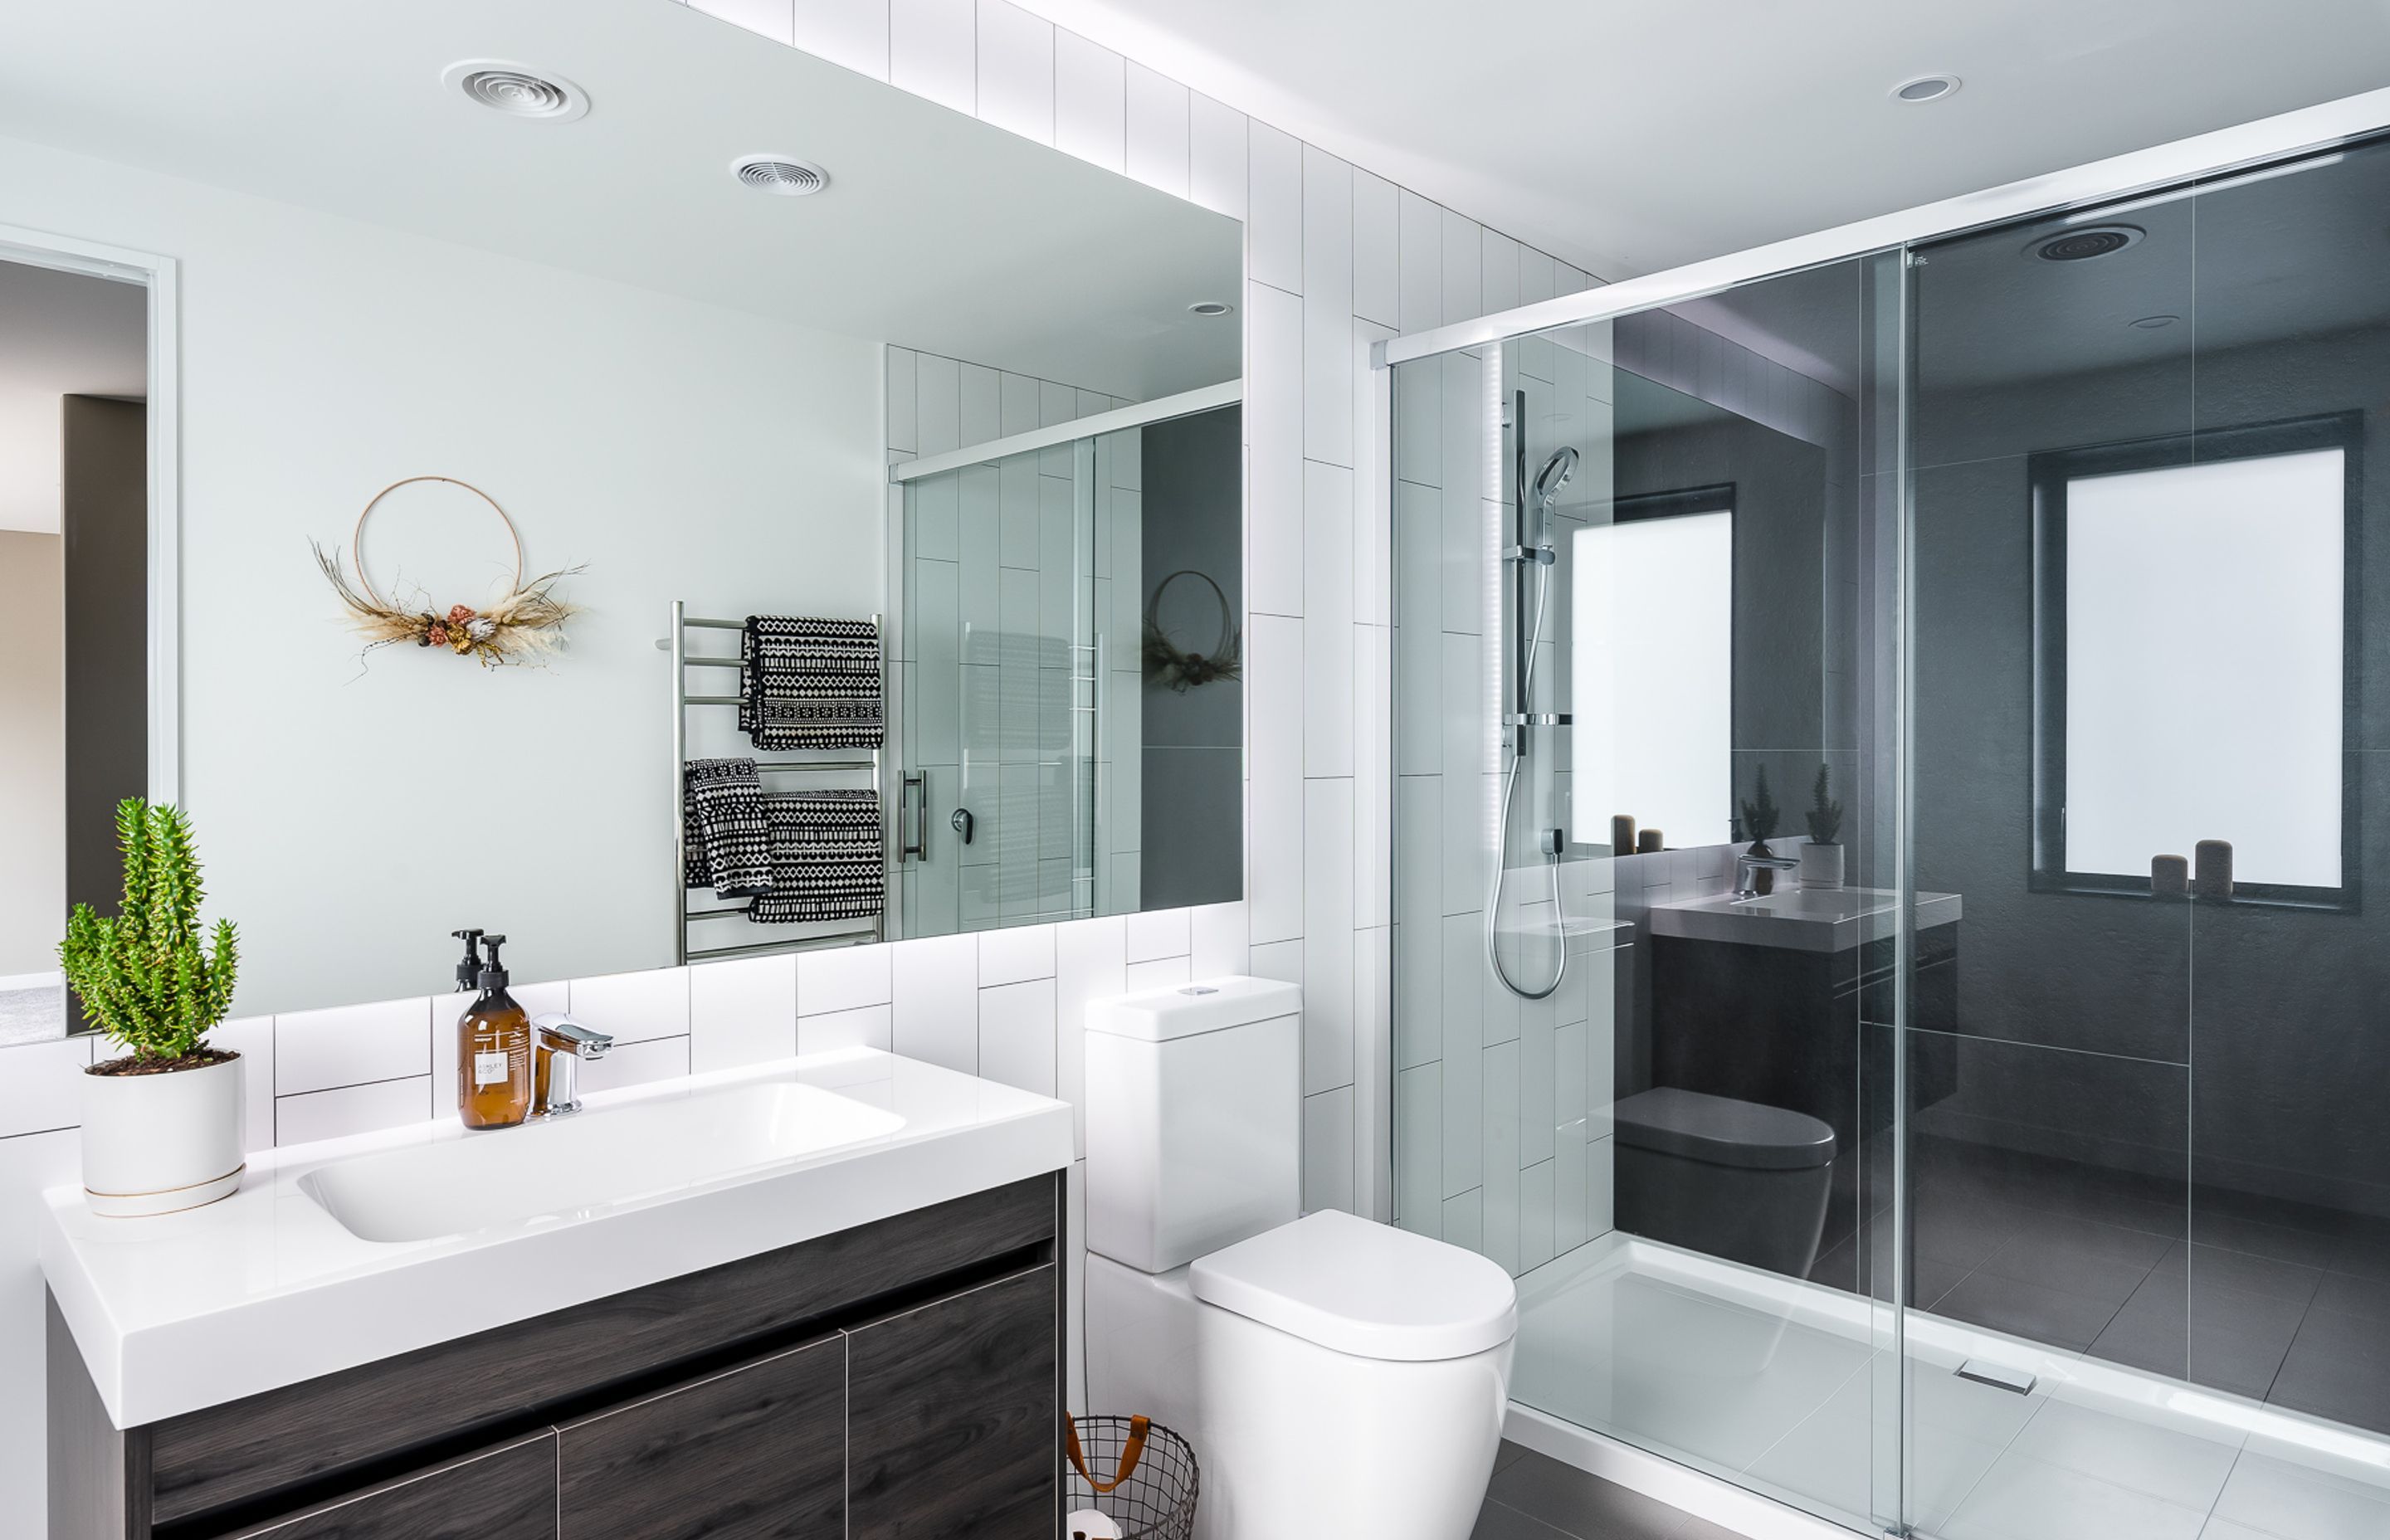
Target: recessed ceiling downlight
{"x": 1925, "y": 88}
{"x": 2086, "y": 242}
{"x": 517, "y": 90}
{"x": 1210, "y": 307}
{"x": 783, "y": 174}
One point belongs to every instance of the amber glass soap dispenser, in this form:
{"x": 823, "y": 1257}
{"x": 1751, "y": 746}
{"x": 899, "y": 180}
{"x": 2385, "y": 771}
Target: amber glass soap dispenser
{"x": 494, "y": 1052}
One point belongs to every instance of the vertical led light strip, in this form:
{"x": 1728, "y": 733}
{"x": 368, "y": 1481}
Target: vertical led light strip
{"x": 1492, "y": 706}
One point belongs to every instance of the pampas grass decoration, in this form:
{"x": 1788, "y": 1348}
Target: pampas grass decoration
{"x": 527, "y": 626}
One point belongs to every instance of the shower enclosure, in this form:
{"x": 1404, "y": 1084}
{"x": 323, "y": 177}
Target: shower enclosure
{"x": 1885, "y": 781}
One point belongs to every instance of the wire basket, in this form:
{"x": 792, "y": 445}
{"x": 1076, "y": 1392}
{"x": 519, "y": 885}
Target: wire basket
{"x": 1155, "y": 1498}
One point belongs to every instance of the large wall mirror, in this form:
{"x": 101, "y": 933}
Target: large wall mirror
{"x": 908, "y": 506}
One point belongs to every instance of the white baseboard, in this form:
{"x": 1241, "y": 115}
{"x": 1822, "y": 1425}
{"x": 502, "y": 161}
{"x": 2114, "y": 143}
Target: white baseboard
{"x": 1705, "y": 1496}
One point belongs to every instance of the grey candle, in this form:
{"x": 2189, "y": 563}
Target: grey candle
{"x": 1647, "y": 843}
{"x": 1622, "y": 834}
{"x": 2169, "y": 876}
{"x": 2213, "y": 863}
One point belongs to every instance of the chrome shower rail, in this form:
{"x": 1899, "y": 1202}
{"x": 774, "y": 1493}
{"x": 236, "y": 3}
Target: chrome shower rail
{"x": 2225, "y": 150}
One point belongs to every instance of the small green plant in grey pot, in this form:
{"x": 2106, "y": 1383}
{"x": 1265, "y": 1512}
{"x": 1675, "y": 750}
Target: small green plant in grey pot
{"x": 1821, "y": 858}
{"x": 1759, "y": 816}
{"x": 161, "y": 1124}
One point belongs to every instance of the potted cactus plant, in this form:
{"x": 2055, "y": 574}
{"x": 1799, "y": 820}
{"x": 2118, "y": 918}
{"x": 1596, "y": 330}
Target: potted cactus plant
{"x": 1821, "y": 858}
{"x": 161, "y": 1124}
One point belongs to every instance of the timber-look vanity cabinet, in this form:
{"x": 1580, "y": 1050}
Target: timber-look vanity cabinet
{"x": 899, "y": 1379}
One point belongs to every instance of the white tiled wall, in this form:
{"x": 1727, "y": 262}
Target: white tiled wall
{"x": 1334, "y": 254}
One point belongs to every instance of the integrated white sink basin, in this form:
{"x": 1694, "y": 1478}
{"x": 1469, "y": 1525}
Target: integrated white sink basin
{"x": 589, "y": 1161}
{"x": 1805, "y": 919}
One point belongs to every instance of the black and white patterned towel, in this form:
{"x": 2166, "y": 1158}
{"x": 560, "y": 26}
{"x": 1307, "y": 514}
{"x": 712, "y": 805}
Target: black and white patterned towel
{"x": 806, "y": 683}
{"x": 725, "y": 842}
{"x": 826, "y": 858}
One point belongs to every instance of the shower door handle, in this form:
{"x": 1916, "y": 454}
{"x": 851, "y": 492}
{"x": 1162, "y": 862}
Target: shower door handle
{"x": 913, "y": 793}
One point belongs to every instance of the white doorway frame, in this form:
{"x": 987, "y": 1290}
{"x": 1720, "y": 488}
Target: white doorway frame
{"x": 160, "y": 278}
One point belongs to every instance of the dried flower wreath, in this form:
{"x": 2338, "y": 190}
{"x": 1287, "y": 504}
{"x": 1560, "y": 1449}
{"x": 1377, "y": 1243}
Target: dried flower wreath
{"x": 525, "y": 626}
{"x": 1166, "y": 665}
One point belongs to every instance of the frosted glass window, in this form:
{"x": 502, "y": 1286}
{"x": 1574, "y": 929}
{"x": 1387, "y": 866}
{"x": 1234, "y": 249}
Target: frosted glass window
{"x": 1652, "y": 665}
{"x": 2205, "y": 667}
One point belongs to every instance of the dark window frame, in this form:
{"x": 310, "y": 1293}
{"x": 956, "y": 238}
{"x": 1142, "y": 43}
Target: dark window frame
{"x": 2046, "y": 476}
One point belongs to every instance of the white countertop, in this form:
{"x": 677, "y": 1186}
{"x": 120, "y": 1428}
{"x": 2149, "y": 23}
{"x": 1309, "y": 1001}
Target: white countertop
{"x": 1800, "y": 919}
{"x": 266, "y": 1288}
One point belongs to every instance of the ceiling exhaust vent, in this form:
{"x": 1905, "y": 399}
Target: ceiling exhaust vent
{"x": 2086, "y": 243}
{"x": 517, "y": 90}
{"x": 780, "y": 174}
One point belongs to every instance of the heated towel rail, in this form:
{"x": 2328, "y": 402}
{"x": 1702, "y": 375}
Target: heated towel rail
{"x": 691, "y": 916}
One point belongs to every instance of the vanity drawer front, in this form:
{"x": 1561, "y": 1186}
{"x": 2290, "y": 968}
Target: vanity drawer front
{"x": 507, "y": 1494}
{"x": 954, "y": 1428}
{"x": 758, "y": 1451}
{"x": 498, "y": 1381}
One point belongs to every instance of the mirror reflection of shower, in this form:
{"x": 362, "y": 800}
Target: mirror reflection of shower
{"x": 1530, "y": 556}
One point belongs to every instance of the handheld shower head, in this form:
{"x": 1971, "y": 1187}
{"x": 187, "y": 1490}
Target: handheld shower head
{"x": 1555, "y": 474}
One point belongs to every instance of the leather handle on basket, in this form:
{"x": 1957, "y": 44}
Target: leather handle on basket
{"x": 1131, "y": 1452}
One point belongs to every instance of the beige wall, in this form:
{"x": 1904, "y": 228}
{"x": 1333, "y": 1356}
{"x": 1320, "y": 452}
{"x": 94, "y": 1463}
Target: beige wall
{"x": 33, "y": 751}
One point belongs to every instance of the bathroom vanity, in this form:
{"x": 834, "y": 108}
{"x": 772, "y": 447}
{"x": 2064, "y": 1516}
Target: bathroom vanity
{"x": 762, "y": 1334}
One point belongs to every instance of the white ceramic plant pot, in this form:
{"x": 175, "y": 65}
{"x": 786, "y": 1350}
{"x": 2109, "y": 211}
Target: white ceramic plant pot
{"x": 154, "y": 1144}
{"x": 1822, "y": 866}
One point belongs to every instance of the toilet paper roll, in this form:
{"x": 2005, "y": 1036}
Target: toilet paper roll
{"x": 1091, "y": 1523}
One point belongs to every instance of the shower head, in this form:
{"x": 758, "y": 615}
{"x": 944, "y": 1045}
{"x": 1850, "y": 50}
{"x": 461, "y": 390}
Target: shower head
{"x": 1555, "y": 474}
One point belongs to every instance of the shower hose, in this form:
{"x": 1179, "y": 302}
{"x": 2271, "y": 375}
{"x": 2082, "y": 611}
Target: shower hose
{"x": 1502, "y": 840}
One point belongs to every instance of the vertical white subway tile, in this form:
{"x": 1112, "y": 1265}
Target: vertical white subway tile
{"x": 1327, "y": 1151}
{"x": 841, "y": 977}
{"x": 1326, "y": 620}
{"x": 1162, "y": 933}
{"x": 1598, "y": 1188}
{"x": 1373, "y": 1045}
{"x": 1326, "y": 934}
{"x": 902, "y": 386}
{"x": 741, "y": 1011}
{"x": 772, "y": 19}
{"x": 1274, "y": 785}
{"x": 346, "y": 1109}
{"x": 1016, "y": 72}
{"x": 982, "y": 414}
{"x": 1502, "y": 1159}
{"x": 932, "y": 48}
{"x": 1160, "y": 973}
{"x": 1014, "y": 953}
{"x": 1090, "y": 101}
{"x": 1418, "y": 1148}
{"x": 1273, "y": 419}
{"x": 938, "y": 404}
{"x": 1497, "y": 274}
{"x": 1281, "y": 960}
{"x": 1377, "y": 246}
{"x": 1217, "y": 156}
{"x": 1422, "y": 273}
{"x": 1538, "y": 275}
{"x": 1464, "y": 1055}
{"x": 637, "y": 1064}
{"x": 1537, "y": 1076}
{"x": 1464, "y": 1220}
{"x": 1569, "y": 1168}
{"x": 1372, "y": 512}
{"x": 634, "y": 1008}
{"x": 936, "y": 1009}
{"x": 1463, "y": 266}
{"x": 1327, "y": 308}
{"x": 1536, "y": 1215}
{"x": 1090, "y": 963}
{"x": 351, "y": 1045}
{"x": 1020, "y": 403}
{"x": 849, "y": 32}
{"x": 1274, "y": 223}
{"x": 252, "y": 1038}
{"x": 1372, "y": 777}
{"x": 1157, "y": 130}
{"x": 1219, "y": 945}
{"x": 1017, "y": 1034}
{"x": 863, "y": 1027}
{"x": 41, "y": 1084}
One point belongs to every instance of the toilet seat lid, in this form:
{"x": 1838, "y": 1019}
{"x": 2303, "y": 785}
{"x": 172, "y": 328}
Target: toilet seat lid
{"x": 1367, "y": 1289}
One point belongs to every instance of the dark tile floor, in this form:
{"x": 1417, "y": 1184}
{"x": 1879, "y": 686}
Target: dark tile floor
{"x": 1537, "y": 1498}
{"x": 2281, "y": 1302}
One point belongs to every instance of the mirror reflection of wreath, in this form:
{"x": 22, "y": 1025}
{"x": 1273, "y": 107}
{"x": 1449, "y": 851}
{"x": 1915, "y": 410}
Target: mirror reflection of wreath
{"x": 1166, "y": 665}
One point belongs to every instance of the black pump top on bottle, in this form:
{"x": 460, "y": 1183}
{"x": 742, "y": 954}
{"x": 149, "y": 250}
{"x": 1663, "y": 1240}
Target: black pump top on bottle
{"x": 468, "y": 966}
{"x": 494, "y": 977}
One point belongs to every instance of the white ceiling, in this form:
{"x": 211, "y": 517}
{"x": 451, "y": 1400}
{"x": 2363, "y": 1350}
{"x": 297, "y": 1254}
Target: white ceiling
{"x": 1631, "y": 135}
{"x": 937, "y": 231}
{"x": 62, "y": 334}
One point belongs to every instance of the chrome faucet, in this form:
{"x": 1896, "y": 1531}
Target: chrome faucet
{"x": 560, "y": 1044}
{"x": 1747, "y": 867}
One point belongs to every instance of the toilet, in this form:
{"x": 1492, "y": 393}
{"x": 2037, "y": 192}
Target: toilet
{"x": 1334, "y": 1375}
{"x": 1729, "y": 1178}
